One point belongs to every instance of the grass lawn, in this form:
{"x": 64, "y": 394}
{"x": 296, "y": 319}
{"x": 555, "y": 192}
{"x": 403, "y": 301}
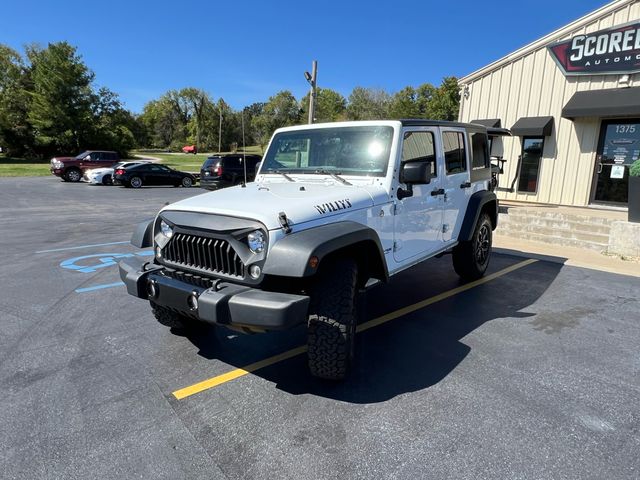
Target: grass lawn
{"x": 185, "y": 161}
{"x": 20, "y": 167}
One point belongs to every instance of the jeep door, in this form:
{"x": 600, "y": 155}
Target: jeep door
{"x": 455, "y": 180}
{"x": 418, "y": 219}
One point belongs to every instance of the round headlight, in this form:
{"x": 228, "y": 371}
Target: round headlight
{"x": 166, "y": 229}
{"x": 256, "y": 241}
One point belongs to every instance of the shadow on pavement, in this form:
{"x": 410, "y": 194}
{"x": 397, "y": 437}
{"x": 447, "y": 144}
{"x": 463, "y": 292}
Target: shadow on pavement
{"x": 410, "y": 353}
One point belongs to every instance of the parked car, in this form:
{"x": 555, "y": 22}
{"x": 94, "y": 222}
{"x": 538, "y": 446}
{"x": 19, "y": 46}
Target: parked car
{"x": 152, "y": 174}
{"x": 70, "y": 169}
{"x": 219, "y": 171}
{"x": 104, "y": 176}
{"x": 190, "y": 149}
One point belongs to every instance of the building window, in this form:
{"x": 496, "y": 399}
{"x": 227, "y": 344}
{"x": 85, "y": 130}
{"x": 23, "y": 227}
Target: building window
{"x": 530, "y": 164}
{"x": 455, "y": 156}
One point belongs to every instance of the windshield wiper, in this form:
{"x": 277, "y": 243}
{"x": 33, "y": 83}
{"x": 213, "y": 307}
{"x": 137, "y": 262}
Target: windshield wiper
{"x": 283, "y": 174}
{"x": 336, "y": 175}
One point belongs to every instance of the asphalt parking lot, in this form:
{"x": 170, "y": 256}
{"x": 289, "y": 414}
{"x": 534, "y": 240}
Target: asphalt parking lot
{"x": 533, "y": 372}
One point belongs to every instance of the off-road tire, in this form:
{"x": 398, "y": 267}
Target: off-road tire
{"x": 167, "y": 317}
{"x": 331, "y": 324}
{"x": 471, "y": 258}
{"x": 73, "y": 175}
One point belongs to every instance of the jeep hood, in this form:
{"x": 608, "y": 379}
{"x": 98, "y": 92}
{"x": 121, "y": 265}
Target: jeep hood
{"x": 302, "y": 202}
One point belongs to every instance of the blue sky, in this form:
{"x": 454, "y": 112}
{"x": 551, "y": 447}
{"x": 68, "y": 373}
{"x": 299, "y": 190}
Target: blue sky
{"x": 245, "y": 51}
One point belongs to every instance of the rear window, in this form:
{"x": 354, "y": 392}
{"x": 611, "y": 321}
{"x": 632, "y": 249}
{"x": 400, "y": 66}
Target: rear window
{"x": 210, "y": 162}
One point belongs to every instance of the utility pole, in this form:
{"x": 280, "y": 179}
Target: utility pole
{"x": 220, "y": 130}
{"x": 312, "y": 79}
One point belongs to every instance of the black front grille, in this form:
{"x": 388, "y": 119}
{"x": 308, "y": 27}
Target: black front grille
{"x": 205, "y": 254}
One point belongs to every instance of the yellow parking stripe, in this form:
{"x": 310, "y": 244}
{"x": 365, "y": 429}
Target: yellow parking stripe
{"x": 240, "y": 372}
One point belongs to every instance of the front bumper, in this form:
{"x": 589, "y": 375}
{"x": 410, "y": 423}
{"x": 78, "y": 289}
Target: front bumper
{"x": 225, "y": 303}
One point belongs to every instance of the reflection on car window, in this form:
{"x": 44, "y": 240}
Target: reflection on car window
{"x": 418, "y": 146}
{"x": 350, "y": 150}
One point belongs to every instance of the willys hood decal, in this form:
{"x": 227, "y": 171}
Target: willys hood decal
{"x": 263, "y": 202}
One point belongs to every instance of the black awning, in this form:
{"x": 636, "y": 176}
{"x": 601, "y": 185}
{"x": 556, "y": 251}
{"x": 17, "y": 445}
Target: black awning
{"x": 533, "y": 127}
{"x": 603, "y": 103}
{"x": 489, "y": 122}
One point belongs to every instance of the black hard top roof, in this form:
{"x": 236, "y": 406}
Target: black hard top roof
{"x": 423, "y": 122}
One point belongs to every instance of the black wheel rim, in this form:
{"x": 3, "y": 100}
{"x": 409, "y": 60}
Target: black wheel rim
{"x": 483, "y": 244}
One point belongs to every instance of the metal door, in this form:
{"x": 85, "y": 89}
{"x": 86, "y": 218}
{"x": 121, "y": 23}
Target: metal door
{"x": 618, "y": 148}
{"x": 418, "y": 219}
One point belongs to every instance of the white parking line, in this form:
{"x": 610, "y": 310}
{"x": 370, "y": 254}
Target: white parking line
{"x": 82, "y": 246}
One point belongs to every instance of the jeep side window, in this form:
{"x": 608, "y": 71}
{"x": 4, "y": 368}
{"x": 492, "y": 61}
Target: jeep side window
{"x": 455, "y": 156}
{"x": 480, "y": 150}
{"x": 419, "y": 146}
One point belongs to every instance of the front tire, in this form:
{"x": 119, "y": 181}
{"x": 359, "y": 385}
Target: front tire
{"x": 332, "y": 320}
{"x": 167, "y": 317}
{"x": 73, "y": 175}
{"x": 471, "y": 258}
{"x": 187, "y": 182}
{"x": 135, "y": 182}
{"x": 106, "y": 180}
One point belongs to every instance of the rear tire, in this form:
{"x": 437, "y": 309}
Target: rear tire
{"x": 332, "y": 320}
{"x": 167, "y": 317}
{"x": 187, "y": 182}
{"x": 471, "y": 258}
{"x": 135, "y": 182}
{"x": 72, "y": 175}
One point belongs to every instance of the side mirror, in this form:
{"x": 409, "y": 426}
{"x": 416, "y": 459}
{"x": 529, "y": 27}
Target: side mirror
{"x": 258, "y": 165}
{"x": 416, "y": 172}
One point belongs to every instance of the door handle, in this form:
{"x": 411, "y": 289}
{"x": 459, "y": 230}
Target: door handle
{"x": 465, "y": 185}
{"x": 435, "y": 193}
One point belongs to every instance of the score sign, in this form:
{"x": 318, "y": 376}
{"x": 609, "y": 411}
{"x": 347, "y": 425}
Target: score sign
{"x": 611, "y": 51}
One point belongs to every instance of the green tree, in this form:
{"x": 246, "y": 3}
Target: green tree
{"x": 368, "y": 104}
{"x": 113, "y": 126}
{"x": 404, "y": 104}
{"x": 16, "y": 133}
{"x": 330, "y": 106}
{"x": 60, "y": 110}
{"x": 197, "y": 105}
{"x": 445, "y": 102}
{"x": 280, "y": 111}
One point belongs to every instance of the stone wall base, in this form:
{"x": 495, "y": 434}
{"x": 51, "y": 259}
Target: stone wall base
{"x": 624, "y": 239}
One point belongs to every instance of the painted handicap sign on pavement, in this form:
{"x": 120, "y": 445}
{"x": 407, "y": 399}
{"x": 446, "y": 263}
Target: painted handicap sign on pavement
{"x": 92, "y": 263}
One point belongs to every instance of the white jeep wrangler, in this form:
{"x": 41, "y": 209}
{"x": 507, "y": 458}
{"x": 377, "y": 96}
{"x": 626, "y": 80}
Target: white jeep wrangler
{"x": 334, "y": 208}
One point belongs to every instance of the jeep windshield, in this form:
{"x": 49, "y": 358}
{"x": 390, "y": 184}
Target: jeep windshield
{"x": 362, "y": 150}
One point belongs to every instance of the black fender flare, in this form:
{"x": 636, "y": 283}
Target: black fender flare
{"x": 290, "y": 256}
{"x": 143, "y": 234}
{"x": 477, "y": 202}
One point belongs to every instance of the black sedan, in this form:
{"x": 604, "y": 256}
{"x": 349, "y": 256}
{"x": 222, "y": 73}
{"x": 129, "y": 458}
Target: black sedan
{"x": 152, "y": 174}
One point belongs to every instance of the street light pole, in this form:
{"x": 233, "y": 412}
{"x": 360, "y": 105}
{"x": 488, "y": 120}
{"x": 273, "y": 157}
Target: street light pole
{"x": 312, "y": 94}
{"x": 220, "y": 130}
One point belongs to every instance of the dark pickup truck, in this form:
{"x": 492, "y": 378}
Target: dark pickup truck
{"x": 70, "y": 169}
